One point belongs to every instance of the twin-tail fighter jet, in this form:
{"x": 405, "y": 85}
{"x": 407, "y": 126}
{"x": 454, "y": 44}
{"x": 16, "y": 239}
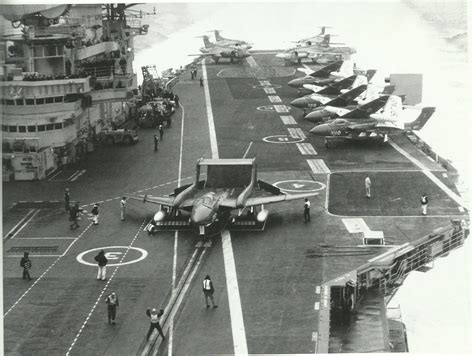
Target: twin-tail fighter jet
{"x": 309, "y": 41}
{"x": 230, "y": 185}
{"x": 347, "y": 102}
{"x": 363, "y": 123}
{"x": 216, "y": 52}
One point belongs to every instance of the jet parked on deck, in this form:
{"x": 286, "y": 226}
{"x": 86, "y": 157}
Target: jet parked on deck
{"x": 208, "y": 202}
{"x": 360, "y": 124}
{"x": 221, "y": 41}
{"x": 216, "y": 52}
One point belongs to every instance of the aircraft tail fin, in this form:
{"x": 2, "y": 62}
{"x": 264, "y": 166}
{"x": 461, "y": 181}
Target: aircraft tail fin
{"x": 370, "y": 74}
{"x": 218, "y": 35}
{"x": 346, "y": 98}
{"x": 422, "y": 119}
{"x": 207, "y": 42}
{"x": 335, "y": 88}
{"x": 391, "y": 110}
{"x": 326, "y": 71}
{"x": 245, "y": 194}
{"x": 326, "y": 40}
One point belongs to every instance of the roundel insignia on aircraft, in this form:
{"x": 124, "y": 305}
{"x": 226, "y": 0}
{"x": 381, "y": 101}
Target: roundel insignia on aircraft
{"x": 300, "y": 186}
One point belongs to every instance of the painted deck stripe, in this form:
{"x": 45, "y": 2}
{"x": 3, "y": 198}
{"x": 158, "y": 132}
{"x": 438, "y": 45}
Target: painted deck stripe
{"x": 314, "y": 338}
{"x": 47, "y": 238}
{"x": 296, "y": 132}
{"x": 235, "y": 307}
{"x": 251, "y": 61}
{"x": 428, "y": 173}
{"x": 269, "y": 90}
{"x": 274, "y": 99}
{"x": 26, "y": 223}
{"x": 264, "y": 82}
{"x": 210, "y": 117}
{"x": 318, "y": 289}
{"x": 31, "y": 211}
{"x": 355, "y": 225}
{"x": 316, "y": 306}
{"x": 306, "y": 149}
{"x": 288, "y": 120}
{"x": 17, "y": 256}
{"x": 318, "y": 166}
{"x": 281, "y": 108}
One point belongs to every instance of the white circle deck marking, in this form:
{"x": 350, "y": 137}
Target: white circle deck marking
{"x": 282, "y": 139}
{"x": 112, "y": 254}
{"x": 300, "y": 186}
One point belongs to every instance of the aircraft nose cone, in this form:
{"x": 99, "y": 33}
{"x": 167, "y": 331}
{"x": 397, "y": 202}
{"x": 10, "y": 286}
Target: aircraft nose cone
{"x": 295, "y": 83}
{"x": 200, "y": 216}
{"x": 319, "y": 130}
{"x": 314, "y": 116}
{"x": 299, "y": 103}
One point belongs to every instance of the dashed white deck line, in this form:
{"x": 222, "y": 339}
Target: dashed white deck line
{"x": 210, "y": 116}
{"x": 251, "y": 61}
{"x": 318, "y": 166}
{"x": 316, "y": 306}
{"x": 99, "y": 298}
{"x": 355, "y": 225}
{"x": 296, "y": 132}
{"x": 46, "y": 271}
{"x": 288, "y": 119}
{"x": 269, "y": 90}
{"x": 428, "y": 173}
{"x": 318, "y": 290}
{"x": 235, "y": 306}
{"x": 281, "y": 108}
{"x": 26, "y": 223}
{"x": 274, "y": 99}
{"x": 306, "y": 149}
{"x": 248, "y": 149}
{"x": 264, "y": 82}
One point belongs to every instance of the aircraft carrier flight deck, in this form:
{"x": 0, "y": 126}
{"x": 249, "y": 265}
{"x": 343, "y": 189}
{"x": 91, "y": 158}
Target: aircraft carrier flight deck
{"x": 293, "y": 287}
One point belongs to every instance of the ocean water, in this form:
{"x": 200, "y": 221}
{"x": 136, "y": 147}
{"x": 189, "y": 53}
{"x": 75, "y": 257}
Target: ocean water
{"x": 429, "y": 37}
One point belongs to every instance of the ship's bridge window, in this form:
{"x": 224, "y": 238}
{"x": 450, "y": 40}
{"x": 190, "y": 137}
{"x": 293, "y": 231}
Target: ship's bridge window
{"x": 21, "y": 128}
{"x": 39, "y": 101}
{"x": 49, "y": 100}
{"x": 49, "y": 127}
{"x": 30, "y": 101}
{"x": 31, "y": 128}
{"x": 5, "y": 128}
{"x": 58, "y": 99}
{"x": 41, "y": 128}
{"x": 58, "y": 126}
{"x": 12, "y": 128}
{"x": 37, "y": 51}
{"x": 9, "y": 102}
{"x": 19, "y": 101}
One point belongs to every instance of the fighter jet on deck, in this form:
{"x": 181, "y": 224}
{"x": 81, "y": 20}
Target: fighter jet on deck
{"x": 318, "y": 53}
{"x": 216, "y": 52}
{"x": 312, "y": 40}
{"x": 323, "y": 95}
{"x": 360, "y": 124}
{"x": 347, "y": 102}
{"x": 221, "y": 41}
{"x": 211, "y": 201}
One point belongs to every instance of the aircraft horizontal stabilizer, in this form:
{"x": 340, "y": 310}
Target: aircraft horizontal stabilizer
{"x": 277, "y": 198}
{"x": 168, "y": 201}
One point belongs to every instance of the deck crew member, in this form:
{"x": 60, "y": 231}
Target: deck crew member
{"x": 26, "y": 264}
{"x": 95, "y": 214}
{"x": 200, "y": 81}
{"x": 122, "y": 208}
{"x": 160, "y": 129}
{"x": 155, "y": 139}
{"x": 101, "y": 265}
{"x": 368, "y": 183}
{"x": 112, "y": 304}
{"x": 424, "y": 203}
{"x": 154, "y": 322}
{"x": 74, "y": 215}
{"x": 208, "y": 290}
{"x": 66, "y": 199}
{"x": 307, "y": 205}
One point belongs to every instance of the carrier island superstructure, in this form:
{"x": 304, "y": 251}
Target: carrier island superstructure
{"x": 66, "y": 75}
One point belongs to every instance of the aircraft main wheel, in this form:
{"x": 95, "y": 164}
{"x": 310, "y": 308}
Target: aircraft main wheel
{"x": 327, "y": 144}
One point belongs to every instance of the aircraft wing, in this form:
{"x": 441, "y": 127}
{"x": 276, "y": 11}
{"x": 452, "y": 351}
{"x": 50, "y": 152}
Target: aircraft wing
{"x": 277, "y": 198}
{"x": 166, "y": 201}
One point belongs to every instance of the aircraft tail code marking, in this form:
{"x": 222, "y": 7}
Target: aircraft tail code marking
{"x": 297, "y": 133}
{"x": 274, "y": 99}
{"x": 269, "y": 90}
{"x": 318, "y": 166}
{"x": 306, "y": 149}
{"x": 288, "y": 120}
{"x": 251, "y": 62}
{"x": 280, "y": 108}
